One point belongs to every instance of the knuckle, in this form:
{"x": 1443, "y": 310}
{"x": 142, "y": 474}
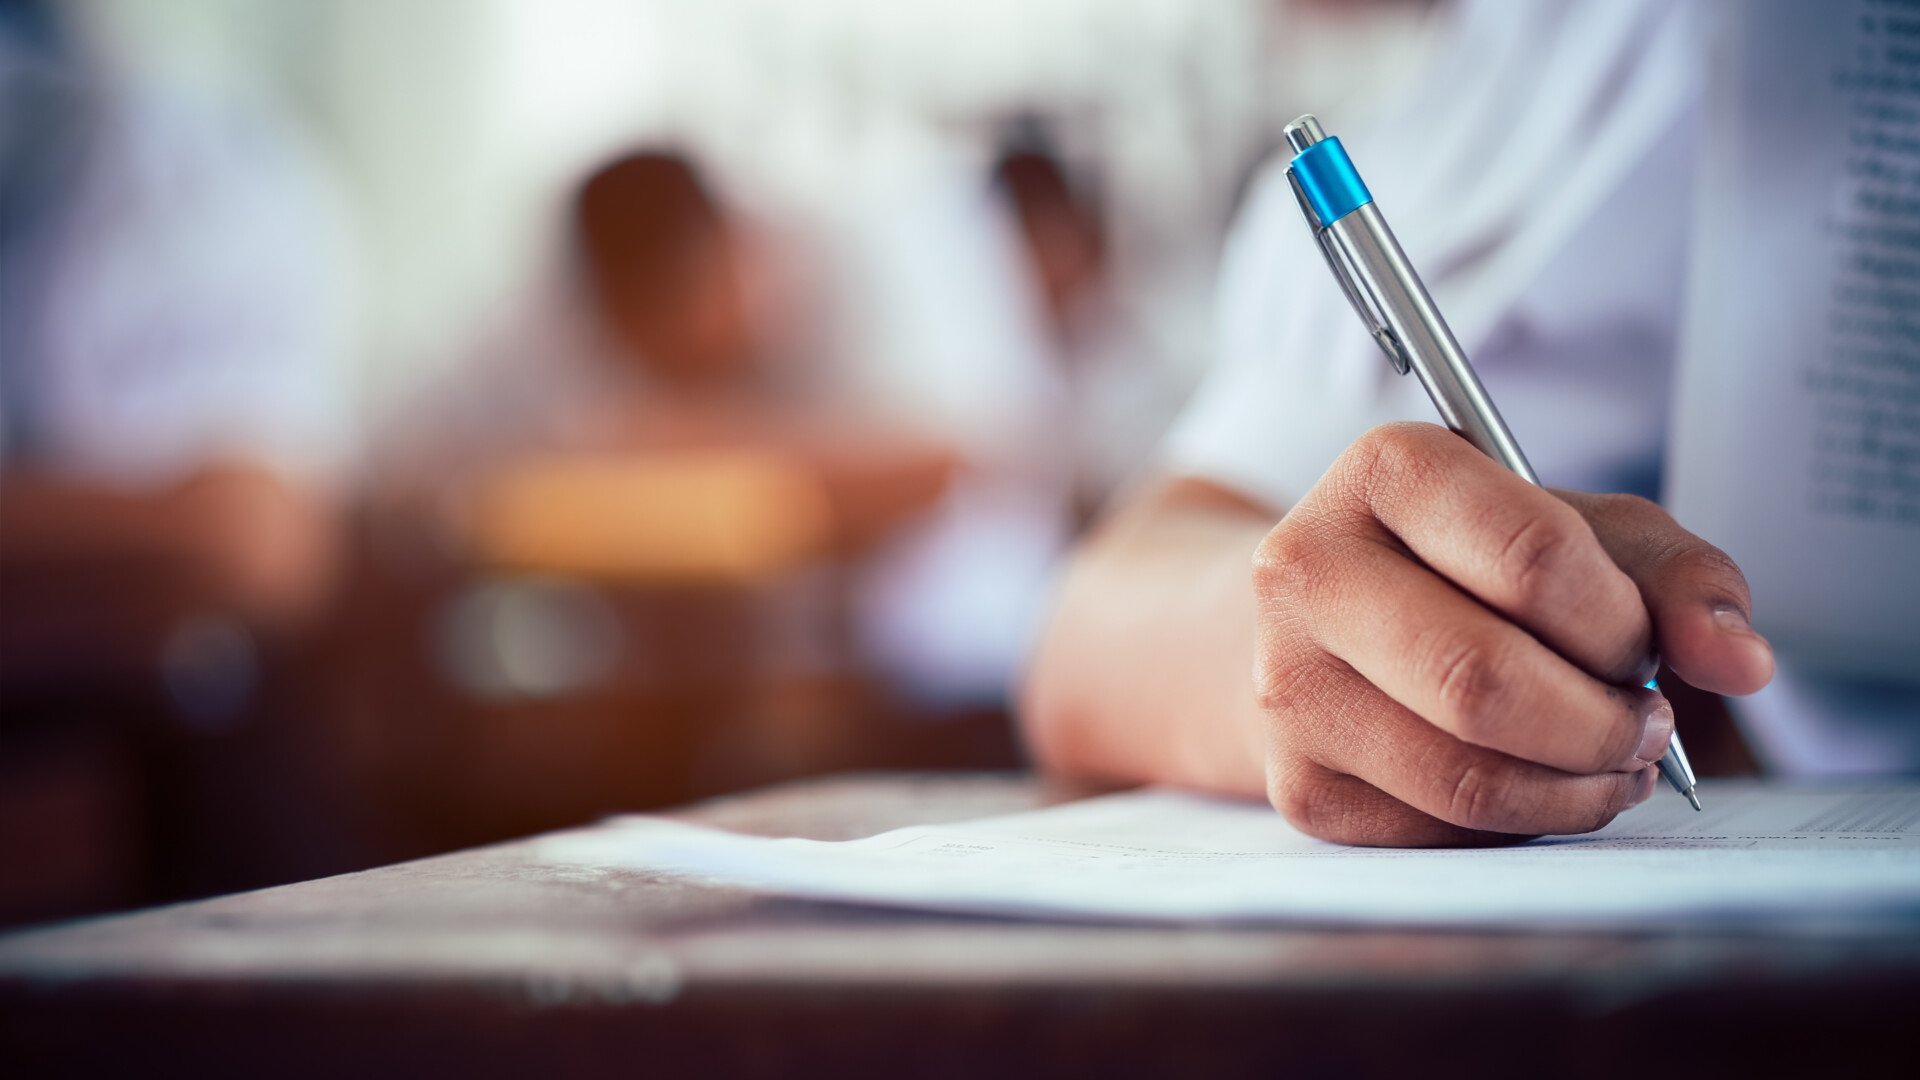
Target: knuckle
{"x": 1303, "y": 800}
{"x": 1476, "y": 800}
{"x": 1365, "y": 454}
{"x": 1292, "y": 796}
{"x": 1281, "y": 565}
{"x": 1405, "y": 452}
{"x": 1535, "y": 556}
{"x": 1700, "y": 560}
{"x": 1676, "y": 552}
{"x": 1468, "y": 681}
{"x": 1288, "y": 687}
{"x": 1299, "y": 567}
{"x": 1617, "y": 506}
{"x": 1601, "y": 817}
{"x": 1387, "y": 457}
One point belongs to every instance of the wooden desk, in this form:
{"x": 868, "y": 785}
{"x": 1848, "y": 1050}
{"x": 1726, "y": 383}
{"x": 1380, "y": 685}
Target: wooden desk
{"x": 484, "y": 963}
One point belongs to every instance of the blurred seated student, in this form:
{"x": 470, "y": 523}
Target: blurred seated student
{"x": 171, "y": 321}
{"x": 660, "y": 350}
{"x": 1366, "y": 622}
{"x": 990, "y": 299}
{"x": 665, "y": 268}
{"x": 648, "y": 312}
{"x": 1116, "y": 396}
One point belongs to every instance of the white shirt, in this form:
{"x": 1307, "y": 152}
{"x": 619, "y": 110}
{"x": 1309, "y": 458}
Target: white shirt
{"x": 188, "y": 299}
{"x": 1532, "y": 178}
{"x": 942, "y": 332}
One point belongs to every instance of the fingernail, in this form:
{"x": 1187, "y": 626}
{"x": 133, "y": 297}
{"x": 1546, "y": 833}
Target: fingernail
{"x": 1731, "y": 619}
{"x": 1657, "y": 734}
{"x": 1643, "y": 786}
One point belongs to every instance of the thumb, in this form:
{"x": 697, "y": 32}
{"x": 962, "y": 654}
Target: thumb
{"x": 1698, "y": 599}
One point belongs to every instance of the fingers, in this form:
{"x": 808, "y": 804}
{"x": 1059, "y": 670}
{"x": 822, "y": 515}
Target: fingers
{"x": 1447, "y": 791}
{"x": 1357, "y": 595}
{"x": 1341, "y": 809}
{"x": 1451, "y": 655}
{"x": 1513, "y": 546}
{"x": 1698, "y": 598}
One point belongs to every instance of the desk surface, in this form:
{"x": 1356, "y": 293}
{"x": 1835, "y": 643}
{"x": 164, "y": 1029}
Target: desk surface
{"x": 489, "y": 962}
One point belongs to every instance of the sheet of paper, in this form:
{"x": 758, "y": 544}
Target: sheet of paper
{"x": 1160, "y": 855}
{"x": 1796, "y": 425}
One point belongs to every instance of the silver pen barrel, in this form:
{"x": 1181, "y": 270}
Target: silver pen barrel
{"x": 1362, "y": 240}
{"x": 1368, "y": 255}
{"x": 1382, "y": 284}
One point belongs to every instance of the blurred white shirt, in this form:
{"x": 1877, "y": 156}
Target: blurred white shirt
{"x": 941, "y": 332}
{"x": 187, "y": 297}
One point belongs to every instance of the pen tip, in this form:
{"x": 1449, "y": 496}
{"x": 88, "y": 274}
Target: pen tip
{"x": 1692, "y": 798}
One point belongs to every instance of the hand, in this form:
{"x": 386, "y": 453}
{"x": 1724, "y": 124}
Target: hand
{"x": 1447, "y": 654}
{"x": 251, "y": 544}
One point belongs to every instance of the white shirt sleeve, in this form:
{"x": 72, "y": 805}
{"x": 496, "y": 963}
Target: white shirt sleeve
{"x": 1537, "y": 177}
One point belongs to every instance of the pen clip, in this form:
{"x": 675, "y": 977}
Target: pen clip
{"x": 1374, "y": 322}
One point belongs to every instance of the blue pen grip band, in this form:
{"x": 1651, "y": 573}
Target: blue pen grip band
{"x": 1332, "y": 186}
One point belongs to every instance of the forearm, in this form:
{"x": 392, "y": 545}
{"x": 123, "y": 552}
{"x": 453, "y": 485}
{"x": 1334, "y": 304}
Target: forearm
{"x": 1145, "y": 673}
{"x": 94, "y": 577}
{"x": 50, "y": 525}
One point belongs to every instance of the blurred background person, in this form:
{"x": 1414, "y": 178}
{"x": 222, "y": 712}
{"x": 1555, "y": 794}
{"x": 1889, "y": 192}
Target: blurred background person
{"x": 172, "y": 425}
{"x": 1119, "y": 393}
{"x": 649, "y": 443}
{"x": 643, "y": 329}
{"x": 985, "y": 281}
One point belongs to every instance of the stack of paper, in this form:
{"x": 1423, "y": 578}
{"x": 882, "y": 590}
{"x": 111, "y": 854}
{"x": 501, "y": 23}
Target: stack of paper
{"x": 1161, "y": 855}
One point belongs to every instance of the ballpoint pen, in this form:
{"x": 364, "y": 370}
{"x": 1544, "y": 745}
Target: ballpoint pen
{"x": 1382, "y": 287}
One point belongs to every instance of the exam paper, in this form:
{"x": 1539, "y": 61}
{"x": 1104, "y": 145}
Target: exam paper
{"x": 1796, "y": 433}
{"x": 1163, "y": 855}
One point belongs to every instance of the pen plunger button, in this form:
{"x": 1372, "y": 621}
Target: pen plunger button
{"x": 1303, "y": 132}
